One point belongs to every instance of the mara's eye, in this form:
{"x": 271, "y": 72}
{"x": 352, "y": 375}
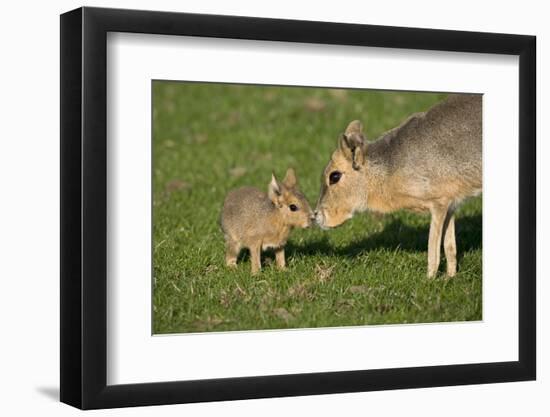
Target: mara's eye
{"x": 334, "y": 177}
{"x": 293, "y": 207}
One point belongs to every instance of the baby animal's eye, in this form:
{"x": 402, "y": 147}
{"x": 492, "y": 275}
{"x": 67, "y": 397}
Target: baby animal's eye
{"x": 334, "y": 177}
{"x": 293, "y": 207}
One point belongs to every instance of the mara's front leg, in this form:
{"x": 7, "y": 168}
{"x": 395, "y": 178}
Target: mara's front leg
{"x": 439, "y": 213}
{"x": 449, "y": 243}
{"x": 280, "y": 258}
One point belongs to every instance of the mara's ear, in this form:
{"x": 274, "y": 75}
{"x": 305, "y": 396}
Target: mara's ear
{"x": 354, "y": 128}
{"x": 274, "y": 190}
{"x": 290, "y": 178}
{"x": 353, "y": 144}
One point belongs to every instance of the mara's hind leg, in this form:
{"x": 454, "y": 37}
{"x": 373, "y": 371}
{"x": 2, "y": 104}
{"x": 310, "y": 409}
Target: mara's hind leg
{"x": 232, "y": 250}
{"x": 449, "y": 242}
{"x": 439, "y": 212}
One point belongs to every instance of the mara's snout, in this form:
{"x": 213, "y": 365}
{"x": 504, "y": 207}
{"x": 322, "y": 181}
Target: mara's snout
{"x": 325, "y": 221}
{"x": 319, "y": 219}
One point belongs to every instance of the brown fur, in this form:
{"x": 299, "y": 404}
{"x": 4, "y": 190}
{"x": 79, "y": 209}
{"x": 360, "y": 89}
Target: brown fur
{"x": 255, "y": 220}
{"x": 430, "y": 163}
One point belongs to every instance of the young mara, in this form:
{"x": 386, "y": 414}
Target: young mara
{"x": 430, "y": 163}
{"x": 258, "y": 221}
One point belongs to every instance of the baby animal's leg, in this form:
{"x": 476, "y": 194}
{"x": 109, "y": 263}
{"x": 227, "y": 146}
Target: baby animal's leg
{"x": 255, "y": 258}
{"x": 231, "y": 252}
{"x": 280, "y": 258}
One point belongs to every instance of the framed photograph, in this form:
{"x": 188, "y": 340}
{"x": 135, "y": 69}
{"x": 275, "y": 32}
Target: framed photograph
{"x": 258, "y": 208}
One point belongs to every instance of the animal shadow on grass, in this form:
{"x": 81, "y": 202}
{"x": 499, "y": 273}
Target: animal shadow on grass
{"x": 396, "y": 234}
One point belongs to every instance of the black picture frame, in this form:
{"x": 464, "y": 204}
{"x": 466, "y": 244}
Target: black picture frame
{"x": 84, "y": 207}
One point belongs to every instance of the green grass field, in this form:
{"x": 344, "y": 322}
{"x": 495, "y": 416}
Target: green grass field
{"x": 210, "y": 138}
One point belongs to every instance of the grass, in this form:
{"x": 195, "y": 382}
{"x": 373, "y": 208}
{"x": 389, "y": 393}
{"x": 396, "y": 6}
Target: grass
{"x": 211, "y": 138}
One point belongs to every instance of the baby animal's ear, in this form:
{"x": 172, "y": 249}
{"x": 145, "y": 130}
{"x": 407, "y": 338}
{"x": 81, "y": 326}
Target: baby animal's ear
{"x": 274, "y": 190}
{"x": 290, "y": 178}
